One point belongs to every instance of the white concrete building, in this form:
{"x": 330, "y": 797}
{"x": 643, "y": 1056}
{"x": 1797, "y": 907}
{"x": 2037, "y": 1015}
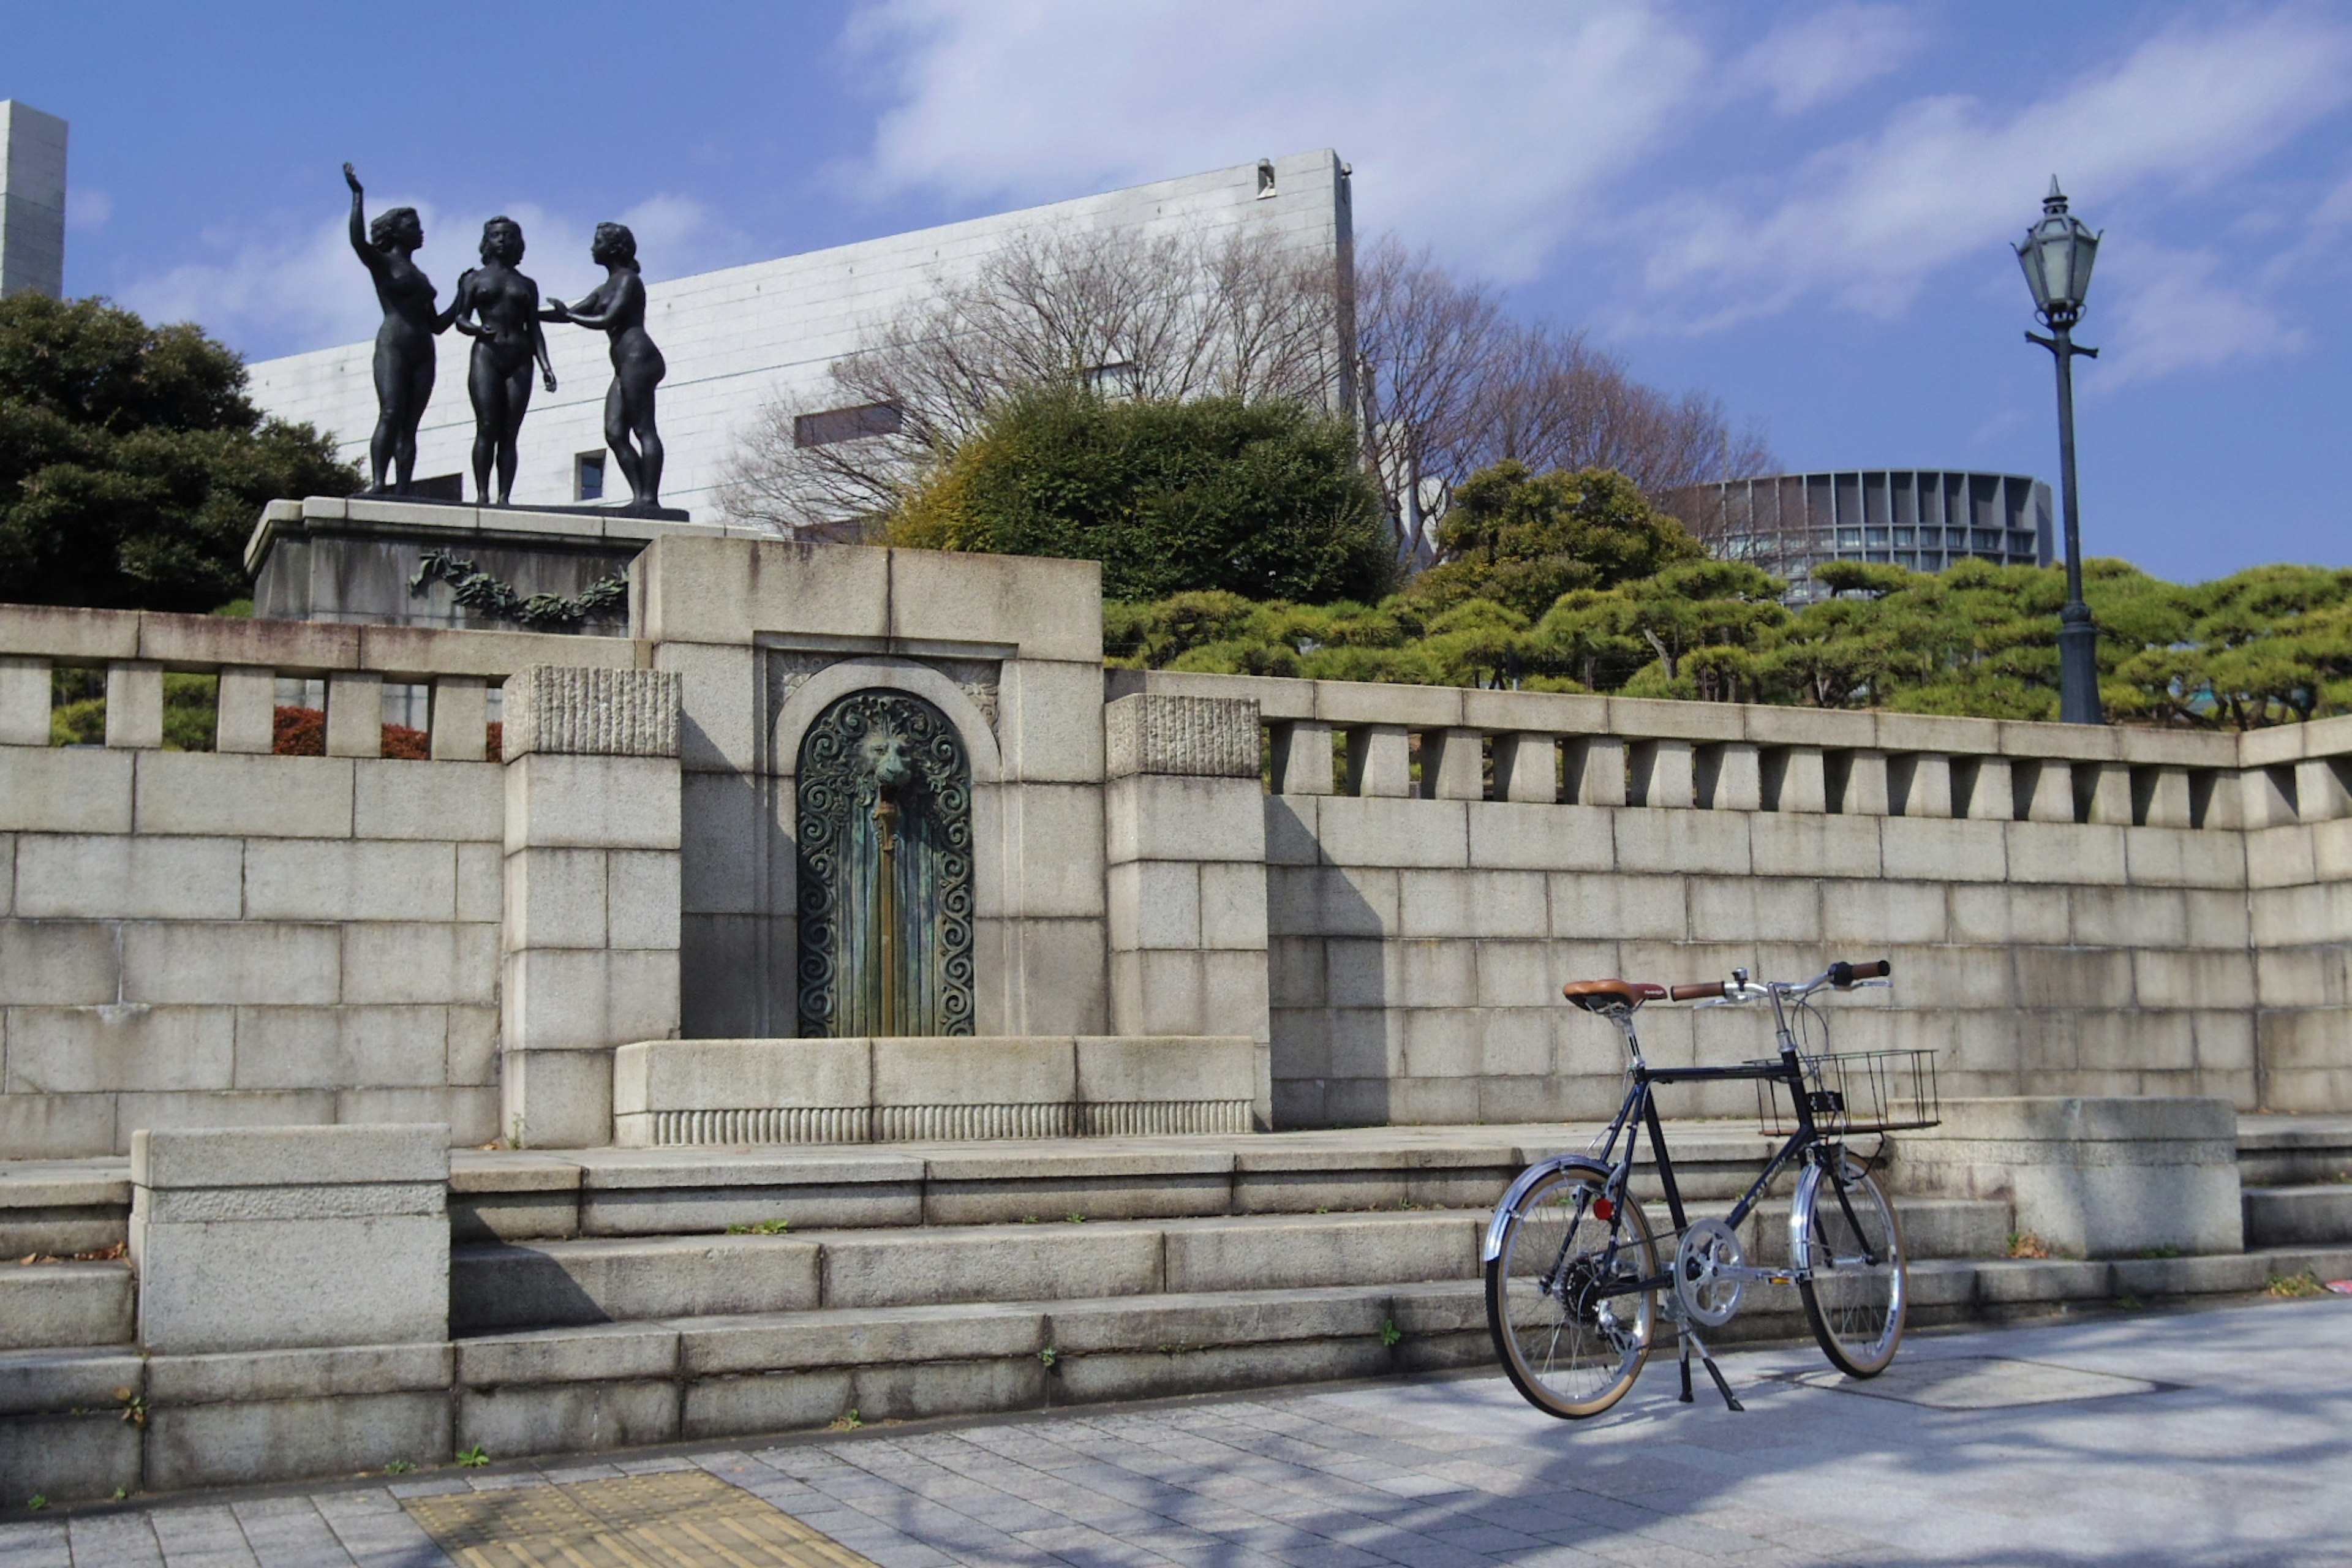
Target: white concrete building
{"x": 32, "y": 200}
{"x": 739, "y": 340}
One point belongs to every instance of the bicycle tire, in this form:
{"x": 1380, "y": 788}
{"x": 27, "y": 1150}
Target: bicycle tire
{"x": 1553, "y": 1232}
{"x": 1856, "y": 1308}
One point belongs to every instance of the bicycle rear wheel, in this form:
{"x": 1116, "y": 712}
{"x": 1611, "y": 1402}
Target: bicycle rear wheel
{"x": 1852, "y": 1278}
{"x": 1570, "y": 1335}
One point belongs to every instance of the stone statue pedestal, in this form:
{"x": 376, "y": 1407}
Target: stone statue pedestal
{"x": 352, "y": 559}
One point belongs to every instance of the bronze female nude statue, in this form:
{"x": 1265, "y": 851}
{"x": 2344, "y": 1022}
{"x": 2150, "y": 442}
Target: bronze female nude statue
{"x": 404, "y": 344}
{"x": 504, "y": 305}
{"x": 617, "y": 307}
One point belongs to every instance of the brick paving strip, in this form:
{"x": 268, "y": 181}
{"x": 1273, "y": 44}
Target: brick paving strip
{"x": 2199, "y": 1439}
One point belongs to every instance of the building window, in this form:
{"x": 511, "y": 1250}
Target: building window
{"x": 1265, "y": 178}
{"x": 588, "y": 477}
{"x": 846, "y": 425}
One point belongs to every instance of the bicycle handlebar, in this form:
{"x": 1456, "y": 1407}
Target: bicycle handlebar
{"x": 1842, "y": 975}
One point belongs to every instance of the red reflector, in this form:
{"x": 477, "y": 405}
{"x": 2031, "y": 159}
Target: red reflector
{"x": 1602, "y": 1209}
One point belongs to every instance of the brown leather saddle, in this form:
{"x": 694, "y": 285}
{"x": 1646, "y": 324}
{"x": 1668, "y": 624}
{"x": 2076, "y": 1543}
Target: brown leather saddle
{"x": 1612, "y": 995}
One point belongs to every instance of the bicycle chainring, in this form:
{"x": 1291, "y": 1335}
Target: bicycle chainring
{"x": 1709, "y": 1275}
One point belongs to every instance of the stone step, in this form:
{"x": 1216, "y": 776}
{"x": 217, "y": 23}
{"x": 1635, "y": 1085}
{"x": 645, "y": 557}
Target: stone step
{"x": 592, "y": 1280}
{"x": 2294, "y": 1150}
{"x": 2316, "y": 1216}
{"x": 50, "y": 1304}
{"x": 531, "y": 1195}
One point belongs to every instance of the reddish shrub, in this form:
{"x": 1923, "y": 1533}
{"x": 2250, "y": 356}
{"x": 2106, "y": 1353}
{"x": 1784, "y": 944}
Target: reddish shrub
{"x": 408, "y": 745}
{"x": 298, "y": 732}
{"x": 494, "y": 739}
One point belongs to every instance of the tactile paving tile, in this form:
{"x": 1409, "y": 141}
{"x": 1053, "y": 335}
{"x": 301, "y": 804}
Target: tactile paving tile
{"x": 675, "y": 1519}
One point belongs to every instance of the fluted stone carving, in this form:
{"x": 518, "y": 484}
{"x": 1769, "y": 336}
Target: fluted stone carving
{"x": 1197, "y": 737}
{"x": 555, "y": 709}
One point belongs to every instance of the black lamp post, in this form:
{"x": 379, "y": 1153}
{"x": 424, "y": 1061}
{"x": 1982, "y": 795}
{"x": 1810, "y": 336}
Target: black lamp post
{"x": 2057, "y": 256}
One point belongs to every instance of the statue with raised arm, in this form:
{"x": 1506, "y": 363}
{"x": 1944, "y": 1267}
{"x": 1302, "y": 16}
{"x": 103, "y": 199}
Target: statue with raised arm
{"x": 618, "y": 309}
{"x": 404, "y": 344}
{"x": 505, "y": 314}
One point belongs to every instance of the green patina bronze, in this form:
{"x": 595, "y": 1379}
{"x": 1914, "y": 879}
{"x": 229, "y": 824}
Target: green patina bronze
{"x": 885, "y": 852}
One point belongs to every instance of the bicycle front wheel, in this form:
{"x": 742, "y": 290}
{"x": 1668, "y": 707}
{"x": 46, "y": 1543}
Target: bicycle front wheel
{"x": 1572, "y": 1332}
{"x": 1848, "y": 1250}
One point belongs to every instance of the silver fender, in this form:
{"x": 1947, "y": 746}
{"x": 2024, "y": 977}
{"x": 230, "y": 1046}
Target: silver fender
{"x": 1801, "y": 1205}
{"x": 1492, "y": 1248}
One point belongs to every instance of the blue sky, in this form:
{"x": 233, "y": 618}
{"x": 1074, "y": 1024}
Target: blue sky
{"x": 1803, "y": 210}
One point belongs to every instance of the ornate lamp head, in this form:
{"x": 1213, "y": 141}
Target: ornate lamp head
{"x": 2057, "y": 254}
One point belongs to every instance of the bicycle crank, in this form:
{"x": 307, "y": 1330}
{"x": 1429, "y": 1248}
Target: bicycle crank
{"x": 1710, "y": 1272}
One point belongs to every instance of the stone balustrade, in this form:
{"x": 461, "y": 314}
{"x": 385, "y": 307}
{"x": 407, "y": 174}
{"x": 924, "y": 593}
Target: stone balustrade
{"x": 353, "y": 663}
{"x": 1353, "y": 738}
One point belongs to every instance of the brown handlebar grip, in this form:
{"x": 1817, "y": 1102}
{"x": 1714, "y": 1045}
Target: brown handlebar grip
{"x": 1696, "y": 993}
{"x": 1876, "y": 970}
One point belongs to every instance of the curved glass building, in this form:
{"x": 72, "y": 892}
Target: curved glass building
{"x": 1922, "y": 519}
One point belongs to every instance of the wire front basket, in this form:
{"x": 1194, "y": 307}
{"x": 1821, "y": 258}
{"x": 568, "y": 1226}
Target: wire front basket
{"x": 1856, "y": 1092}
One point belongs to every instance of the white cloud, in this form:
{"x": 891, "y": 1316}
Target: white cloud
{"x": 299, "y": 289}
{"x": 2171, "y": 313}
{"x": 88, "y": 208}
{"x": 1807, "y": 62}
{"x": 1868, "y": 220}
{"x": 1487, "y": 131}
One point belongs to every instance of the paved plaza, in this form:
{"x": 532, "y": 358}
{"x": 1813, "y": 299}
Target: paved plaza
{"x": 2211, "y": 1437}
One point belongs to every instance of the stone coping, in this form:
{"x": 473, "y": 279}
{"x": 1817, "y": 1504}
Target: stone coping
{"x": 106, "y": 1180}
{"x": 471, "y": 525}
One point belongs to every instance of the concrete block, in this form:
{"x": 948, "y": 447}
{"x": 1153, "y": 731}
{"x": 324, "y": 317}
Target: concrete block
{"x": 232, "y": 796}
{"x": 715, "y": 1075}
{"x": 568, "y": 999}
{"x": 903, "y": 1335}
{"x": 1232, "y": 907}
{"x": 2045, "y": 790}
{"x": 1053, "y": 836}
{"x": 590, "y": 1353}
{"x": 720, "y": 705}
{"x": 23, "y": 700}
{"x": 246, "y": 960}
{"x": 1859, "y": 783}
{"x": 1663, "y": 774}
{"x": 83, "y": 1050}
{"x": 963, "y": 1071}
{"x": 481, "y": 883}
{"x": 1453, "y": 764}
{"x": 1151, "y": 816}
{"x": 590, "y": 712}
{"x": 1730, "y": 777}
{"x": 1149, "y": 734}
{"x": 60, "y": 790}
{"x": 592, "y": 803}
{"x": 1320, "y": 1249}
{"x": 1156, "y": 1373}
{"x": 1806, "y": 845}
{"x": 1527, "y": 767}
{"x": 1041, "y": 1263}
{"x": 563, "y": 1283}
{"x": 354, "y": 713}
{"x": 388, "y": 961}
{"x": 1990, "y": 786}
{"x": 2055, "y": 852}
{"x": 67, "y": 964}
{"x": 247, "y": 1376}
{"x": 1380, "y": 760}
{"x": 441, "y": 801}
{"x": 1379, "y": 832}
{"x": 1919, "y": 785}
{"x": 66, "y": 1456}
{"x": 32, "y": 1381}
{"x": 355, "y": 879}
{"x": 567, "y": 1417}
{"x": 1302, "y": 758}
{"x": 245, "y": 710}
{"x": 56, "y": 1126}
{"x": 1596, "y": 770}
{"x": 1056, "y": 979}
{"x": 1794, "y": 779}
{"x": 56, "y": 1304}
{"x": 1931, "y": 849}
{"x": 289, "y": 1439}
{"x": 135, "y": 704}
{"x": 555, "y": 899}
{"x": 1155, "y": 904}
{"x": 377, "y": 1280}
{"x": 461, "y": 712}
{"x": 774, "y": 1402}
{"x": 1601, "y": 907}
{"x": 1049, "y": 609}
{"x": 2108, "y": 786}
{"x": 2319, "y": 790}
{"x": 2094, "y": 1177}
{"x": 642, "y": 898}
{"x": 1348, "y": 703}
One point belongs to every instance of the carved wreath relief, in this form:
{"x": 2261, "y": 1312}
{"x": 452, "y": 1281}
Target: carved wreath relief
{"x": 884, "y": 850}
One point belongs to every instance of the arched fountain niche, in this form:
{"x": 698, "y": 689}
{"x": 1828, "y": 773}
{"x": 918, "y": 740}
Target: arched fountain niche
{"x": 884, "y": 808}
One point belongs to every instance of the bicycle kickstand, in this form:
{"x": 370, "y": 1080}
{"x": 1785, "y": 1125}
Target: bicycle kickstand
{"x": 1686, "y": 1342}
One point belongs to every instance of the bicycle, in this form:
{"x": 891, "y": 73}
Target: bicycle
{"x": 1572, "y": 1265}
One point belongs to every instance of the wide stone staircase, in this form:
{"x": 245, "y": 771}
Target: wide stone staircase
{"x": 608, "y": 1298}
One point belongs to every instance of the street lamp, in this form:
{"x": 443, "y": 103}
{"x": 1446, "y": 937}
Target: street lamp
{"x": 2057, "y": 256}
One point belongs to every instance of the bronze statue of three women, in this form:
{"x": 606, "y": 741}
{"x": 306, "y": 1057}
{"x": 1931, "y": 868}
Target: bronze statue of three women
{"x": 500, "y": 309}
